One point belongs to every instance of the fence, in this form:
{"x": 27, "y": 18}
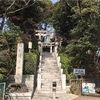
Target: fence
{"x": 2, "y": 91}
{"x": 76, "y": 84}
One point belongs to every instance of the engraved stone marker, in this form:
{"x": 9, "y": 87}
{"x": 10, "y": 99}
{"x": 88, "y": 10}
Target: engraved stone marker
{"x": 19, "y": 63}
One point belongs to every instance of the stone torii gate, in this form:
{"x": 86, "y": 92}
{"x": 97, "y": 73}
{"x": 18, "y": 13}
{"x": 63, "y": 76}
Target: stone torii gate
{"x": 41, "y": 44}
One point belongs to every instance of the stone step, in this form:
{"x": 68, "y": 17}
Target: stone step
{"x": 50, "y": 83}
{"x": 49, "y": 72}
{"x": 49, "y": 79}
{"x": 46, "y": 65}
{"x": 50, "y": 76}
{"x": 50, "y": 89}
{"x": 49, "y": 59}
{"x": 50, "y": 68}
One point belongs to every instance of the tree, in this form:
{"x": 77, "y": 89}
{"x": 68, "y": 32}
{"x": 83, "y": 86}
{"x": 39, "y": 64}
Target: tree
{"x": 78, "y": 22}
{"x": 85, "y": 36}
{"x": 62, "y": 19}
{"x": 8, "y": 43}
{"x": 8, "y": 8}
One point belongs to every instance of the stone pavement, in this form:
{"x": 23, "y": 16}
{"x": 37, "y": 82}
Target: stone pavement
{"x": 46, "y": 96}
{"x": 67, "y": 96}
{"x": 50, "y": 73}
{"x": 87, "y": 98}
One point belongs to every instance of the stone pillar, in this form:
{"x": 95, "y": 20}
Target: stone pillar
{"x": 50, "y": 49}
{"x": 63, "y": 81}
{"x": 59, "y": 67}
{"x": 39, "y": 36}
{"x": 58, "y": 60}
{"x": 55, "y": 49}
{"x": 39, "y": 82}
{"x": 40, "y": 58}
{"x": 39, "y": 71}
{"x": 61, "y": 71}
{"x": 39, "y": 48}
{"x": 40, "y": 64}
{"x": 19, "y": 63}
{"x": 56, "y": 55}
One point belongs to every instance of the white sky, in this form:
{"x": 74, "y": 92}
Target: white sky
{"x": 54, "y": 1}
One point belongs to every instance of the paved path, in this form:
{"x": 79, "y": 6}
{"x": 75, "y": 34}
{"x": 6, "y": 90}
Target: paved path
{"x": 87, "y": 98}
{"x": 67, "y": 96}
{"x": 47, "y": 96}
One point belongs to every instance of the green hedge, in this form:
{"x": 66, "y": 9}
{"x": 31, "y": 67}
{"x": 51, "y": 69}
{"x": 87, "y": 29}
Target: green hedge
{"x": 30, "y": 61}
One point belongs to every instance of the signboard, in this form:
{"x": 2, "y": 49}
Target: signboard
{"x": 30, "y": 45}
{"x": 79, "y": 72}
{"x": 2, "y": 91}
{"x": 88, "y": 87}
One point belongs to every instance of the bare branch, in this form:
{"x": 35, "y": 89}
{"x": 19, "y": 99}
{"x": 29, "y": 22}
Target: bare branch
{"x": 26, "y": 2}
{"x": 68, "y": 3}
{"x": 10, "y": 5}
{"x": 19, "y": 9}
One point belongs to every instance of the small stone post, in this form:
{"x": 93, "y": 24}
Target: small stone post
{"x": 63, "y": 81}
{"x": 51, "y": 49}
{"x": 39, "y": 82}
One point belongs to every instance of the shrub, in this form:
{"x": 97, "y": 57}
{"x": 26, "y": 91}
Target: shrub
{"x": 30, "y": 61}
{"x": 1, "y": 77}
{"x": 75, "y": 90}
{"x": 98, "y": 90}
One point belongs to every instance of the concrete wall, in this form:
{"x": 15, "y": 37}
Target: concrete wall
{"x": 27, "y": 79}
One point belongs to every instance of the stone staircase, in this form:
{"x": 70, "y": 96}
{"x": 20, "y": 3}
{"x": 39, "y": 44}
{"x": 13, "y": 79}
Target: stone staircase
{"x": 50, "y": 73}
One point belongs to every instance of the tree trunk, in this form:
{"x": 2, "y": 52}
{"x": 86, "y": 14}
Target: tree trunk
{"x": 79, "y": 6}
{"x": 2, "y": 22}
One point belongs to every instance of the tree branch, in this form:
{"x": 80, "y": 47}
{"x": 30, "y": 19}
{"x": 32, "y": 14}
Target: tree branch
{"x": 67, "y": 3}
{"x": 10, "y": 5}
{"x": 21, "y": 8}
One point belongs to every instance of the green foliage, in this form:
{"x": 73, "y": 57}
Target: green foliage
{"x": 62, "y": 19}
{"x": 30, "y": 61}
{"x": 66, "y": 64}
{"x": 64, "y": 60}
{"x": 4, "y": 57}
{"x": 84, "y": 33}
{"x": 71, "y": 76}
{"x": 1, "y": 77}
{"x": 8, "y": 48}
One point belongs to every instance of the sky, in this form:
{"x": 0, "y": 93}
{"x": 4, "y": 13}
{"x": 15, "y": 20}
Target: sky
{"x": 54, "y": 1}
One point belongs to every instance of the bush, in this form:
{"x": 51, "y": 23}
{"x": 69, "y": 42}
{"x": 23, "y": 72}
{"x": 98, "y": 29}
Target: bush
{"x": 1, "y": 77}
{"x": 30, "y": 61}
{"x": 68, "y": 69}
{"x": 75, "y": 90}
{"x": 98, "y": 90}
{"x": 71, "y": 76}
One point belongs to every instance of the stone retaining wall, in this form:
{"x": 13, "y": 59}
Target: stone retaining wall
{"x": 27, "y": 79}
{"x": 29, "y": 82}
